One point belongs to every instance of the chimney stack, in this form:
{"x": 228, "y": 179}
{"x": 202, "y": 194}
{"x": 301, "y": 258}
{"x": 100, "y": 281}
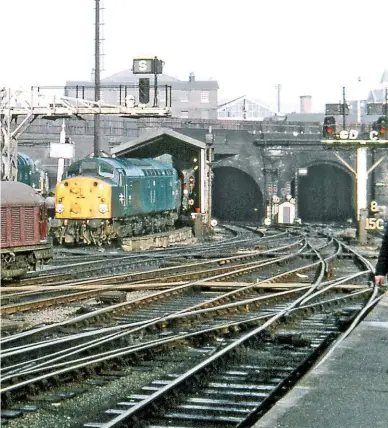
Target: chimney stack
{"x": 305, "y": 103}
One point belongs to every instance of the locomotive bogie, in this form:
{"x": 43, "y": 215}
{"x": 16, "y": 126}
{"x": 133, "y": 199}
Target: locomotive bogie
{"x": 98, "y": 232}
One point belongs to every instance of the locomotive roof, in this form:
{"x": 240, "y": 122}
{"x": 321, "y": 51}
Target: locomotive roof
{"x": 136, "y": 165}
{"x": 14, "y": 193}
{"x": 25, "y": 159}
{"x": 131, "y": 166}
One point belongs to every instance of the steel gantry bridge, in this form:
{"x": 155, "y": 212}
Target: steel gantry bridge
{"x": 18, "y": 109}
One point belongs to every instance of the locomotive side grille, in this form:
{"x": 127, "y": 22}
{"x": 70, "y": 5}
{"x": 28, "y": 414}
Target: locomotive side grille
{"x": 29, "y": 222}
{"x": 15, "y": 224}
{"x": 3, "y": 226}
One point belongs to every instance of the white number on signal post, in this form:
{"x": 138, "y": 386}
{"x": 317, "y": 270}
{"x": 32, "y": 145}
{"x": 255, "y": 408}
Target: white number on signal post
{"x": 374, "y": 207}
{"x": 374, "y": 224}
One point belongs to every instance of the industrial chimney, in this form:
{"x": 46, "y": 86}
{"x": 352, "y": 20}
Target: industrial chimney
{"x": 305, "y": 103}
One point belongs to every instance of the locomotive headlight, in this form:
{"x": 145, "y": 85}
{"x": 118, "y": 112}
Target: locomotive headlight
{"x": 103, "y": 208}
{"x": 59, "y": 208}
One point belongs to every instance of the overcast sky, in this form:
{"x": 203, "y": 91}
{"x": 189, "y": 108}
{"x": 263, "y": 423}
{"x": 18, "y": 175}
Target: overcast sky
{"x": 248, "y": 46}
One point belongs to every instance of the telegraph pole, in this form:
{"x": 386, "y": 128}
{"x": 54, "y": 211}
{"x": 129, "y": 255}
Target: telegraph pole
{"x": 343, "y": 108}
{"x": 97, "y": 80}
{"x": 278, "y": 87}
{"x": 359, "y": 104}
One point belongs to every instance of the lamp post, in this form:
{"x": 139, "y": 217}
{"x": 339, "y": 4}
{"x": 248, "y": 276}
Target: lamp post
{"x": 359, "y": 102}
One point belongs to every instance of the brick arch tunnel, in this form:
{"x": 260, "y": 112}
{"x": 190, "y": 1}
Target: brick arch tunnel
{"x": 327, "y": 194}
{"x": 236, "y": 196}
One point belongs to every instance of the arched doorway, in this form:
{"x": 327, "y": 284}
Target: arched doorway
{"x": 236, "y": 196}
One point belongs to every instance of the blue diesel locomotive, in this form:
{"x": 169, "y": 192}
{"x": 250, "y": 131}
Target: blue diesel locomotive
{"x": 102, "y": 198}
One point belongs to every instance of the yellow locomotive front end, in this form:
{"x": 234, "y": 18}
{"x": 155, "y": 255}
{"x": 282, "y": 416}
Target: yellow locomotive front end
{"x": 82, "y": 210}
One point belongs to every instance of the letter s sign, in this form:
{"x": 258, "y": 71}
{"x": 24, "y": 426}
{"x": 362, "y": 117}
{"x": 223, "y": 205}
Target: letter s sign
{"x": 143, "y": 65}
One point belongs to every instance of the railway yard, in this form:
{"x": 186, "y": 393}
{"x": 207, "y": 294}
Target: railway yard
{"x": 175, "y": 254}
{"x": 201, "y": 335}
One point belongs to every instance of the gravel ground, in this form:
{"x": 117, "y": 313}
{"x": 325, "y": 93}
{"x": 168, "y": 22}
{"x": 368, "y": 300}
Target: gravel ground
{"x": 74, "y": 412}
{"x": 87, "y": 406}
{"x": 27, "y": 320}
{"x": 23, "y": 321}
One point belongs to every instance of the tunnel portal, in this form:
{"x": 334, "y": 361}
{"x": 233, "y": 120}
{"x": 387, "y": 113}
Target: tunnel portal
{"x": 236, "y": 196}
{"x": 326, "y": 194}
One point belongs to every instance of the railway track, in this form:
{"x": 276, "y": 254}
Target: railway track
{"x": 195, "y": 332}
{"x": 291, "y": 335}
{"x": 137, "y": 261}
{"x": 234, "y": 382}
{"x": 174, "y": 273}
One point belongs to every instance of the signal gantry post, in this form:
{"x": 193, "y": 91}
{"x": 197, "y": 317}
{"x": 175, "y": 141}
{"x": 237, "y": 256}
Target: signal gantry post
{"x": 376, "y": 138}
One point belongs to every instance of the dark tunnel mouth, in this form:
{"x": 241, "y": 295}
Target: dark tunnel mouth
{"x": 236, "y": 196}
{"x": 326, "y": 194}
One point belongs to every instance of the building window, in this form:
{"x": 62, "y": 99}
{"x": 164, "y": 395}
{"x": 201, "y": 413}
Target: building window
{"x": 205, "y": 96}
{"x": 184, "y": 114}
{"x": 185, "y": 97}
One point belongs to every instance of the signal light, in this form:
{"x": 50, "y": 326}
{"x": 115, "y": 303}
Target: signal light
{"x": 381, "y": 126}
{"x": 144, "y": 90}
{"x": 328, "y": 127}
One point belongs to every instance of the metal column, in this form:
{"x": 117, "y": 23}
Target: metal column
{"x": 203, "y": 179}
{"x": 97, "y": 81}
{"x": 362, "y": 180}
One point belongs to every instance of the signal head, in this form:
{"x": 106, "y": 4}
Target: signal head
{"x": 381, "y": 126}
{"x": 328, "y": 126}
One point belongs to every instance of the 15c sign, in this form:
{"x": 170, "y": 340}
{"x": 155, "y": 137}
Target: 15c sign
{"x": 373, "y": 223}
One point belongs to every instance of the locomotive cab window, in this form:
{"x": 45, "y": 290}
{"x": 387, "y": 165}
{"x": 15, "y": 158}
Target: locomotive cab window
{"x": 88, "y": 167}
{"x": 72, "y": 170}
{"x": 106, "y": 170}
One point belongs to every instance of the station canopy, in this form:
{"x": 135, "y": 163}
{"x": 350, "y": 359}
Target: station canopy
{"x": 158, "y": 142}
